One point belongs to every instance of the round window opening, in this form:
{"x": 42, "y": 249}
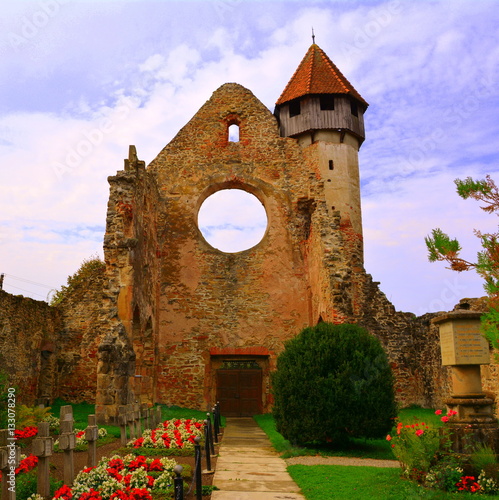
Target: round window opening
{"x": 232, "y": 220}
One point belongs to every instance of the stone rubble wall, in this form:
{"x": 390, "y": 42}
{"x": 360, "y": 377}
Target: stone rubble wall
{"x": 28, "y": 340}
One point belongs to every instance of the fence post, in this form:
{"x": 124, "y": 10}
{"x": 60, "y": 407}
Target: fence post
{"x": 130, "y": 422}
{"x": 9, "y": 460}
{"x": 67, "y": 442}
{"x": 122, "y": 423}
{"x": 92, "y": 435}
{"x": 215, "y": 425}
{"x": 144, "y": 413}
{"x": 158, "y": 416}
{"x": 219, "y": 417}
{"x": 197, "y": 470}
{"x": 178, "y": 482}
{"x": 210, "y": 433}
{"x": 43, "y": 447}
{"x": 136, "y": 414}
{"x": 207, "y": 446}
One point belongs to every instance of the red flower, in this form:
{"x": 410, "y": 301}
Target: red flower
{"x": 388, "y": 437}
{"x": 114, "y": 473}
{"x": 90, "y": 495}
{"x": 155, "y": 465}
{"x": 27, "y": 432}
{"x": 140, "y": 461}
{"x": 138, "y": 443}
{"x": 438, "y": 412}
{"x": 88, "y": 469}
{"x": 445, "y": 419}
{"x": 29, "y": 463}
{"x": 64, "y": 492}
{"x": 119, "y": 495}
{"x": 140, "y": 494}
{"x": 468, "y": 483}
{"x": 419, "y": 432}
{"x": 116, "y": 463}
{"x": 451, "y": 413}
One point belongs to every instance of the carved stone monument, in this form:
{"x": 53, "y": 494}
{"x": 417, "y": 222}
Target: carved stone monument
{"x": 464, "y": 349}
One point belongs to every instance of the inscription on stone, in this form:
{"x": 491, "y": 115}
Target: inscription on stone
{"x": 462, "y": 343}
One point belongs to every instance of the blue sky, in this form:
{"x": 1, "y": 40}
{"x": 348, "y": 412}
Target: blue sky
{"x": 80, "y": 81}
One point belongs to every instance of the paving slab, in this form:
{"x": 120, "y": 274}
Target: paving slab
{"x": 248, "y": 468}
{"x": 255, "y": 495}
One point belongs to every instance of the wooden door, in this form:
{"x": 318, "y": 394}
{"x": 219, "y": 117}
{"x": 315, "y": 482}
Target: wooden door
{"x": 239, "y": 392}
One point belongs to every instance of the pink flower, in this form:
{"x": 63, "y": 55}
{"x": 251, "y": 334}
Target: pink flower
{"x": 438, "y": 412}
{"x": 419, "y": 432}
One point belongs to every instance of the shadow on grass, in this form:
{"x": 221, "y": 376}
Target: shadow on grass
{"x": 361, "y": 448}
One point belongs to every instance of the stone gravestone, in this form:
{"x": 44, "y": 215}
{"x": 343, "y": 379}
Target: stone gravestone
{"x": 464, "y": 349}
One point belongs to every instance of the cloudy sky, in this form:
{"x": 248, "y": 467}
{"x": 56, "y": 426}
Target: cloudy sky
{"x": 80, "y": 81}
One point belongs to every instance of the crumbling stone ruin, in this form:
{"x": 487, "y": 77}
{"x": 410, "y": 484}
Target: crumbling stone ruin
{"x": 173, "y": 320}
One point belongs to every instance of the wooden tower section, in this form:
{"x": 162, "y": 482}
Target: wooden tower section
{"x": 321, "y": 109}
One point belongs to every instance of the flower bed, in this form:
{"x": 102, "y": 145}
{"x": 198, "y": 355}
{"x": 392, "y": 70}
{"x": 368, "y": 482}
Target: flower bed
{"x": 425, "y": 455}
{"x": 121, "y": 478}
{"x": 171, "y": 434}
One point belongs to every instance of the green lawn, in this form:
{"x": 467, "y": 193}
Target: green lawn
{"x": 364, "y": 448}
{"x": 326, "y": 482}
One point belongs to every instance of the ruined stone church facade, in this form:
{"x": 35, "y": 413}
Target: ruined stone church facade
{"x": 205, "y": 325}
{"x": 172, "y": 319}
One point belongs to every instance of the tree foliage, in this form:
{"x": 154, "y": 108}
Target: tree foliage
{"x": 442, "y": 248}
{"x": 333, "y": 382}
{"x": 89, "y": 267}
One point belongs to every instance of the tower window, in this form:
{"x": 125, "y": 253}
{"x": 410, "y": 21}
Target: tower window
{"x": 233, "y": 133}
{"x": 327, "y": 102}
{"x": 331, "y": 165}
{"x": 294, "y": 108}
{"x": 354, "y": 108}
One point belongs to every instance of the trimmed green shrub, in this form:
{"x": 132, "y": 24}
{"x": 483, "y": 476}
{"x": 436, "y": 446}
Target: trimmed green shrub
{"x": 333, "y": 382}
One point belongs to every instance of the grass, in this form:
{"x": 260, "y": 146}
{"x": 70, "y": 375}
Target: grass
{"x": 326, "y": 482}
{"x": 363, "y": 448}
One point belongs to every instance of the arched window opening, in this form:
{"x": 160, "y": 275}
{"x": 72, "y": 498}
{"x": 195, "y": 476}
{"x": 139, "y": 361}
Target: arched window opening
{"x": 233, "y": 133}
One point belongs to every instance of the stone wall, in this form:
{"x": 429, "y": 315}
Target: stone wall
{"x": 50, "y": 352}
{"x": 29, "y": 333}
{"x": 84, "y": 326}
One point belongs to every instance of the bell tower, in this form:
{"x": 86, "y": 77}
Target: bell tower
{"x": 321, "y": 109}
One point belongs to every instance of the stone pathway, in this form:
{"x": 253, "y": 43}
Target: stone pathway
{"x": 248, "y": 468}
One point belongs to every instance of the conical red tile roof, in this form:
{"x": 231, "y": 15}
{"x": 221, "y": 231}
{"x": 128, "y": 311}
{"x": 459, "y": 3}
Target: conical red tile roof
{"x": 317, "y": 74}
